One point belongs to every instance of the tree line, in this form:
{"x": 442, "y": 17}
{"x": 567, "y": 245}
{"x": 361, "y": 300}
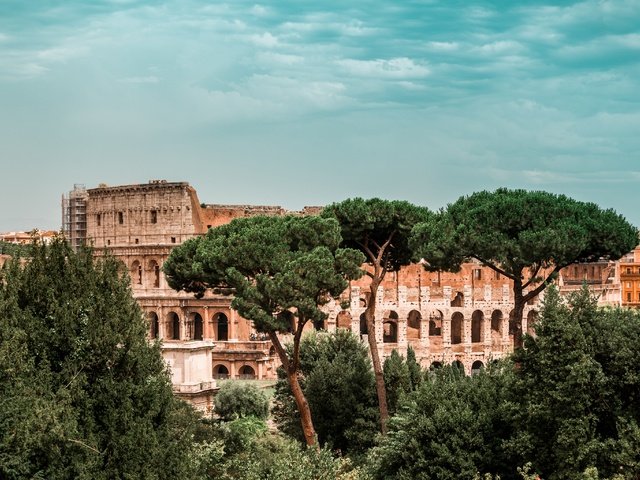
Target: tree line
{"x": 83, "y": 394}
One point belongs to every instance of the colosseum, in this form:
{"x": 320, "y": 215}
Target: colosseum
{"x": 461, "y": 318}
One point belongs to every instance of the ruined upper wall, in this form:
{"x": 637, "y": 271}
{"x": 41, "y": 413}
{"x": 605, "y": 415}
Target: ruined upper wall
{"x": 216, "y": 215}
{"x": 159, "y": 212}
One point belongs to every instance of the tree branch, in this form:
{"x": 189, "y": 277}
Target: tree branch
{"x": 533, "y": 293}
{"x": 532, "y": 277}
{"x": 493, "y": 267}
{"x": 279, "y": 349}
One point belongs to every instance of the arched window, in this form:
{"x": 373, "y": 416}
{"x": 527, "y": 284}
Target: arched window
{"x": 390, "y": 327}
{"x": 435, "y": 323}
{"x": 221, "y": 326}
{"x": 435, "y": 365}
{"x": 247, "y": 373}
{"x": 413, "y": 324}
{"x": 476, "y": 367}
{"x": 496, "y": 328}
{"x": 390, "y": 331}
{"x": 136, "y": 272}
{"x": 154, "y": 269}
{"x": 363, "y": 325}
{"x": 220, "y": 372}
{"x": 457, "y": 364}
{"x": 173, "y": 326}
{"x": 154, "y": 324}
{"x": 197, "y": 327}
{"x": 477, "y": 326}
{"x": 458, "y": 300}
{"x": 456, "y": 328}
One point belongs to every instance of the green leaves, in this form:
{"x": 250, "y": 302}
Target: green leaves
{"x": 81, "y": 386}
{"x": 517, "y": 229}
{"x": 272, "y": 264}
{"x": 374, "y": 225}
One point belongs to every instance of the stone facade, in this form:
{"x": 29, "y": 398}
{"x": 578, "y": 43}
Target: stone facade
{"x": 629, "y": 268}
{"x": 445, "y": 317}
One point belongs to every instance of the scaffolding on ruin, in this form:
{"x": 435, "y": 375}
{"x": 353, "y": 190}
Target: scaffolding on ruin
{"x": 74, "y": 216}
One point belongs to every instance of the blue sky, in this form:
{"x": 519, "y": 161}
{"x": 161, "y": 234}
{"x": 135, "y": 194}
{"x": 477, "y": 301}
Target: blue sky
{"x": 299, "y": 103}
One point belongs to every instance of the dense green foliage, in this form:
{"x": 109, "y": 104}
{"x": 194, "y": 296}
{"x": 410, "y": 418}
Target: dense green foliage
{"x": 238, "y": 399}
{"x": 278, "y": 268}
{"x": 450, "y": 428}
{"x": 578, "y": 391}
{"x": 272, "y": 457}
{"x": 378, "y": 227}
{"x": 82, "y": 392}
{"x": 339, "y": 385}
{"x": 13, "y": 249}
{"x": 397, "y": 379}
{"x": 527, "y": 236}
{"x": 568, "y": 405}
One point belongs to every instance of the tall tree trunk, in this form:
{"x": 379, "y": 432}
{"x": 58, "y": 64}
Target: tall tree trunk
{"x": 518, "y": 311}
{"x": 303, "y": 408}
{"x": 369, "y": 315}
{"x": 291, "y": 367}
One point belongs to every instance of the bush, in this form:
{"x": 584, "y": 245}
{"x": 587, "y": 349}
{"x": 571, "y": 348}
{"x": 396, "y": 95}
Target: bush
{"x": 237, "y": 400}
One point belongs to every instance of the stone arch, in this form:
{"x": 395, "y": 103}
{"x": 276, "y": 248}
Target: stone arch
{"x": 154, "y": 324}
{"x": 363, "y": 301}
{"x": 435, "y": 323}
{"x": 364, "y": 330}
{"x": 476, "y": 367}
{"x": 477, "y": 326}
{"x": 198, "y": 326}
{"x": 272, "y": 351}
{"x": 390, "y": 327}
{"x": 247, "y": 372}
{"x": 457, "y": 320}
{"x": 496, "y": 327}
{"x": 458, "y": 300}
{"x": 435, "y": 365}
{"x": 154, "y": 271}
{"x": 173, "y": 326}
{"x": 413, "y": 324}
{"x": 136, "y": 272}
{"x": 343, "y": 320}
{"x": 457, "y": 364}
{"x": 221, "y": 326}
{"x": 220, "y": 372}
{"x": 532, "y": 319}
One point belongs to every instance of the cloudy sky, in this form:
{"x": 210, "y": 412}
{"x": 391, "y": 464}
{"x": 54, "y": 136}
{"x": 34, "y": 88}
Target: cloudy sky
{"x": 303, "y": 102}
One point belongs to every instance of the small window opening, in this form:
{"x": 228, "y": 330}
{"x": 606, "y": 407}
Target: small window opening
{"x": 173, "y": 239}
{"x": 477, "y": 274}
{"x": 137, "y": 241}
{"x": 154, "y": 216}
{"x": 120, "y": 218}
{"x": 99, "y": 219}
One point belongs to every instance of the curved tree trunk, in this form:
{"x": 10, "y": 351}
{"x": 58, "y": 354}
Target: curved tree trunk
{"x": 303, "y": 408}
{"x": 291, "y": 367}
{"x": 369, "y": 315}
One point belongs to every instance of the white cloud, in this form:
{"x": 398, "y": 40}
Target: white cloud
{"x": 61, "y": 53}
{"x": 140, "y": 80}
{"x": 443, "y": 46}
{"x": 395, "y": 68}
{"x": 265, "y": 40}
{"x": 259, "y": 10}
{"x": 274, "y": 58}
